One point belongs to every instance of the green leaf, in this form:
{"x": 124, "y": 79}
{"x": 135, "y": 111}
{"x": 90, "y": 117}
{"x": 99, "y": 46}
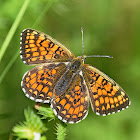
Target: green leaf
{"x": 45, "y": 112}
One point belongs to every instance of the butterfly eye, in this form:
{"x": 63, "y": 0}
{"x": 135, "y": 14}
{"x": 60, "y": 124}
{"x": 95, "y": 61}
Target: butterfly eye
{"x": 76, "y": 64}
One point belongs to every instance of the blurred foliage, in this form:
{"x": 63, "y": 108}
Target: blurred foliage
{"x": 32, "y": 127}
{"x": 110, "y": 28}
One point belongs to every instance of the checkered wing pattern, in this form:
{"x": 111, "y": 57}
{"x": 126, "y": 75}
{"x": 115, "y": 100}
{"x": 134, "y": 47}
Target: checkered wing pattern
{"x": 73, "y": 106}
{"x": 37, "y": 47}
{"x": 107, "y": 97}
{"x": 39, "y": 82}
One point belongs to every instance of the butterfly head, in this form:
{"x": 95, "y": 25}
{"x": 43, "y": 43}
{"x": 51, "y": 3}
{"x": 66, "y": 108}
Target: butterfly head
{"x": 76, "y": 64}
{"x": 82, "y": 58}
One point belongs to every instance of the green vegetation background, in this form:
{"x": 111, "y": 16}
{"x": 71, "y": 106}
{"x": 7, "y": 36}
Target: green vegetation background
{"x": 111, "y": 27}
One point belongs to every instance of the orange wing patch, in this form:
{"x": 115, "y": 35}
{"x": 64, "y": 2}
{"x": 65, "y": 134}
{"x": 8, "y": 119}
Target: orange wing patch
{"x": 107, "y": 97}
{"x": 73, "y": 106}
{"x": 38, "y": 83}
{"x": 37, "y": 47}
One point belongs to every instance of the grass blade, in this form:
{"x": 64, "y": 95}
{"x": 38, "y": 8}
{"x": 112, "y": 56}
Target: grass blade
{"x": 13, "y": 29}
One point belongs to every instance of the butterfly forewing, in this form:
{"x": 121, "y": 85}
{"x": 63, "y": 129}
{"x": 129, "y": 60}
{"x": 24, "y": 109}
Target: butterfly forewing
{"x": 39, "y": 82}
{"x": 106, "y": 96}
{"x": 72, "y": 107}
{"x": 37, "y": 47}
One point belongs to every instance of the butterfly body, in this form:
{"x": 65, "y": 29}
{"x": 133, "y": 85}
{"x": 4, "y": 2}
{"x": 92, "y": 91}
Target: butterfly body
{"x": 65, "y": 81}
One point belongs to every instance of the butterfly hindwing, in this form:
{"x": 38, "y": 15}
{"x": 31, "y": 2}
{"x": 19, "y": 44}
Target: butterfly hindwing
{"x": 38, "y": 83}
{"x": 107, "y": 97}
{"x": 73, "y": 106}
{"x": 37, "y": 47}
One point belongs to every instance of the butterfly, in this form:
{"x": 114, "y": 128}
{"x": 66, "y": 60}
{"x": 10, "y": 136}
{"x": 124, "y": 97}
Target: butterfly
{"x": 65, "y": 82}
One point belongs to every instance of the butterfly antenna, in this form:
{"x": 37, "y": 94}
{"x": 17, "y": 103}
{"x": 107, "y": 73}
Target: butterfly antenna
{"x": 100, "y": 56}
{"x": 84, "y": 56}
{"x": 82, "y": 41}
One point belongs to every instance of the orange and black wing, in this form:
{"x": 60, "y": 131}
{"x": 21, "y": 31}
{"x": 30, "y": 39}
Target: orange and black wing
{"x": 107, "y": 97}
{"x": 38, "y": 83}
{"x": 37, "y": 47}
{"x": 73, "y": 106}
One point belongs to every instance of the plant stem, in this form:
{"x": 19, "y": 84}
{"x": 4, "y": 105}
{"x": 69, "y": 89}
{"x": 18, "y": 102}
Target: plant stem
{"x": 13, "y": 29}
{"x": 2, "y": 76}
{"x": 61, "y": 131}
{"x": 48, "y": 5}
